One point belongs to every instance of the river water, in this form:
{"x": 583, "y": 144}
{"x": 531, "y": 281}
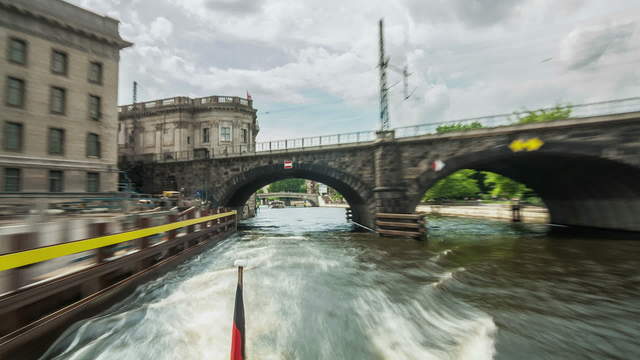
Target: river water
{"x": 477, "y": 289}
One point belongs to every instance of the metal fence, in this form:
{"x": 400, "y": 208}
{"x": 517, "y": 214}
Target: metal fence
{"x": 577, "y": 111}
{"x": 316, "y": 141}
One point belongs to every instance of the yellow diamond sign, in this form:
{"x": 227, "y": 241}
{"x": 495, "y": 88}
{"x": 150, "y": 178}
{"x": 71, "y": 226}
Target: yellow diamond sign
{"x": 528, "y": 144}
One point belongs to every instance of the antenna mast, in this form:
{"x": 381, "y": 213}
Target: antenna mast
{"x": 384, "y": 103}
{"x": 135, "y": 92}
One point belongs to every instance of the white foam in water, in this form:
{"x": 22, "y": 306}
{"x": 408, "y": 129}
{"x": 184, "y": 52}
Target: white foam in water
{"x": 446, "y": 276}
{"x": 411, "y": 331}
{"x": 304, "y": 299}
{"x": 480, "y": 343}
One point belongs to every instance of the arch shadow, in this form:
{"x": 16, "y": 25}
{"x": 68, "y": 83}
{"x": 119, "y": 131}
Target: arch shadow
{"x": 580, "y": 189}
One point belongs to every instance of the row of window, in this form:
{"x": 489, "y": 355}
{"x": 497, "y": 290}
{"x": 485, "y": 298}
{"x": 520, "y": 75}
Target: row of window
{"x": 14, "y": 138}
{"x": 16, "y": 89}
{"x": 225, "y": 135}
{"x": 13, "y": 180}
{"x": 18, "y": 54}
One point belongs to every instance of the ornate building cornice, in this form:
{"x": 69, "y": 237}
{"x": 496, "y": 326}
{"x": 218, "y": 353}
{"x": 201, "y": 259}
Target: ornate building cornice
{"x": 36, "y": 10}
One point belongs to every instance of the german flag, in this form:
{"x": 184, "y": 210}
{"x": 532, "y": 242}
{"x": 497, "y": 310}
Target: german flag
{"x": 237, "y": 330}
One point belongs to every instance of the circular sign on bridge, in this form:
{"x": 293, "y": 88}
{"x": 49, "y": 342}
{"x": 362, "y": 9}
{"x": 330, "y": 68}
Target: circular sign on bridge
{"x": 288, "y": 164}
{"x": 437, "y": 165}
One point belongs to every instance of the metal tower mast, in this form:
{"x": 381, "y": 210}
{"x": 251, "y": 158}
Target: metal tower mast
{"x": 135, "y": 92}
{"x": 384, "y": 103}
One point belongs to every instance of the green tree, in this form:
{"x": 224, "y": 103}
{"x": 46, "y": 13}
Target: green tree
{"x": 289, "y": 185}
{"x": 459, "y": 185}
{"x": 458, "y": 127}
{"x": 542, "y": 115}
{"x": 504, "y": 187}
{"x": 336, "y": 197}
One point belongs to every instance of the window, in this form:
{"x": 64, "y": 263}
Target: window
{"x": 13, "y": 136}
{"x": 93, "y": 145}
{"x": 94, "y": 107}
{"x": 245, "y": 136}
{"x": 225, "y": 133}
{"x": 188, "y": 139}
{"x": 18, "y": 51}
{"x": 11, "y": 180}
{"x": 205, "y": 135}
{"x": 15, "y": 92}
{"x": 56, "y": 181}
{"x": 59, "y": 62}
{"x": 93, "y": 182}
{"x": 56, "y": 141}
{"x": 95, "y": 72}
{"x": 58, "y": 100}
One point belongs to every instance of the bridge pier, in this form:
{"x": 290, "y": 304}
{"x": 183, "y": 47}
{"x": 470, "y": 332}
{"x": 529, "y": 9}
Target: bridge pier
{"x": 390, "y": 194}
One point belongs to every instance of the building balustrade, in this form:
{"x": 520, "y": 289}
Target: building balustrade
{"x": 185, "y": 101}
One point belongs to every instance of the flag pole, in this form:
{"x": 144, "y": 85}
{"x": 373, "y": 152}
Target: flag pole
{"x": 237, "y": 330}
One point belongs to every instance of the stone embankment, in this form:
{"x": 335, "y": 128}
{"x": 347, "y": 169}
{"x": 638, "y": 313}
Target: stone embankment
{"x": 532, "y": 214}
{"x": 335, "y": 205}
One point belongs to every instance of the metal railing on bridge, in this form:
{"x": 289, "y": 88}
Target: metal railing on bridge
{"x": 577, "y": 111}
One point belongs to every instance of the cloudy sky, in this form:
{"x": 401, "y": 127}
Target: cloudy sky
{"x": 310, "y": 65}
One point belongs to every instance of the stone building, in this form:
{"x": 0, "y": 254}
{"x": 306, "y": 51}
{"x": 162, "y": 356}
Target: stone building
{"x": 182, "y": 128}
{"x": 59, "y": 67}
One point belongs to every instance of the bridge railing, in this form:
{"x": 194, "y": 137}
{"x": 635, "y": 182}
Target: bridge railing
{"x": 316, "y": 141}
{"x": 577, "y": 111}
{"x": 260, "y": 147}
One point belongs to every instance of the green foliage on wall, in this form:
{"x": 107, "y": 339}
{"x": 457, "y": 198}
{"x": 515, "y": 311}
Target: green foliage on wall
{"x": 536, "y": 116}
{"x": 458, "y": 127}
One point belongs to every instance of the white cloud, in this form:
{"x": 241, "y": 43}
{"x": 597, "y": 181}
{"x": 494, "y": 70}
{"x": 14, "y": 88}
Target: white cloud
{"x": 161, "y": 29}
{"x": 586, "y": 46}
{"x": 468, "y": 57}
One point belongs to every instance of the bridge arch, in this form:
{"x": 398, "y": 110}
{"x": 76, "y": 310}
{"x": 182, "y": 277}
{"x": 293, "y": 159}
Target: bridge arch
{"x": 358, "y": 195}
{"x": 580, "y": 188}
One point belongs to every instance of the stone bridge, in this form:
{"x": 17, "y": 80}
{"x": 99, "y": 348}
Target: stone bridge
{"x": 312, "y": 198}
{"x": 587, "y": 170}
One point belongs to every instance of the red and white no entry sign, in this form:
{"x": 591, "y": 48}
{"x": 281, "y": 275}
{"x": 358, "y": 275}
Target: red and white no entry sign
{"x": 437, "y": 165}
{"x": 288, "y": 164}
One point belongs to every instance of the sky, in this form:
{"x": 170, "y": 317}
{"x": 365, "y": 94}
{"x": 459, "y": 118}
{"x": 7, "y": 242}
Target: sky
{"x": 311, "y": 65}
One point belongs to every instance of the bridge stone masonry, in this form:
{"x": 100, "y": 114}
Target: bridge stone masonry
{"x": 586, "y": 169}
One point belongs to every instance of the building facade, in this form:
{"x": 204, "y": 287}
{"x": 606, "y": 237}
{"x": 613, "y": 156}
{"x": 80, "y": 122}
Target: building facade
{"x": 59, "y": 68}
{"x": 183, "y": 128}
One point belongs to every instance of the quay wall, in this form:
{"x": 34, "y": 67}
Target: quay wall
{"x": 530, "y": 214}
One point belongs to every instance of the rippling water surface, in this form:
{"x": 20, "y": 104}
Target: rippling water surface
{"x": 478, "y": 289}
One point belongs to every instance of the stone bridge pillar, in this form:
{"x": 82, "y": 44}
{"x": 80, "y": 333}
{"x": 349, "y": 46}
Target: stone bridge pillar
{"x": 390, "y": 190}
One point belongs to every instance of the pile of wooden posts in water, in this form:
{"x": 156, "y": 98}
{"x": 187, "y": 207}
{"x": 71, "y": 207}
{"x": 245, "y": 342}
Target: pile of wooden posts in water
{"x": 405, "y": 225}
